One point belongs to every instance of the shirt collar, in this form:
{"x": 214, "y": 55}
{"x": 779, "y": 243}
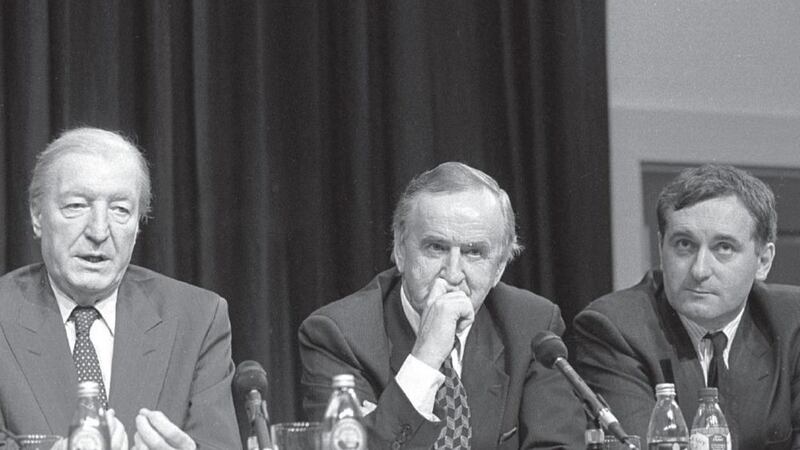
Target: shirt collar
{"x": 696, "y": 332}
{"x": 107, "y": 307}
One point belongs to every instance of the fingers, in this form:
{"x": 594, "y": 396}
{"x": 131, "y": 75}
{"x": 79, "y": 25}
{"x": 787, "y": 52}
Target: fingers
{"x": 119, "y": 438}
{"x": 446, "y": 315}
{"x": 155, "y": 431}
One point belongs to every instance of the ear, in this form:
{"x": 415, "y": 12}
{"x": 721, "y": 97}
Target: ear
{"x": 399, "y": 256}
{"x": 660, "y": 252}
{"x": 36, "y": 220}
{"x": 765, "y": 258}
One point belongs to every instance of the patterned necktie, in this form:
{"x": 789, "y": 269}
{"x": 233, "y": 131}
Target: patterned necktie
{"x": 84, "y": 354}
{"x": 452, "y": 397}
{"x": 717, "y": 367}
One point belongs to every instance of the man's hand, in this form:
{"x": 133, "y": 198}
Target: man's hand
{"x": 446, "y": 314}
{"x": 154, "y": 431}
{"x": 119, "y": 438}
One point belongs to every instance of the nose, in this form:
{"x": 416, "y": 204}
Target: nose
{"x": 97, "y": 229}
{"x": 452, "y": 272}
{"x": 701, "y": 267}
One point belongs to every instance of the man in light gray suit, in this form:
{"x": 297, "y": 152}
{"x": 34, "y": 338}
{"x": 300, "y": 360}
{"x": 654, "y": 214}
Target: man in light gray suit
{"x": 159, "y": 348}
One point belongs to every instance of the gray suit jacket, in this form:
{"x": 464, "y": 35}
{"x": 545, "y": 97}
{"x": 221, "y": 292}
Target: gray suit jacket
{"x": 515, "y": 401}
{"x": 171, "y": 353}
{"x": 628, "y": 341}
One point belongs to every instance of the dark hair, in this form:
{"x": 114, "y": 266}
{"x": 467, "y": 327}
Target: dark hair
{"x": 93, "y": 140}
{"x": 709, "y": 181}
{"x": 451, "y": 177}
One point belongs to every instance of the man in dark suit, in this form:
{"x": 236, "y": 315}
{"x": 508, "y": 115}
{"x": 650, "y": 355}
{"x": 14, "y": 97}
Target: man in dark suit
{"x": 167, "y": 342}
{"x": 444, "y": 307}
{"x": 706, "y": 318}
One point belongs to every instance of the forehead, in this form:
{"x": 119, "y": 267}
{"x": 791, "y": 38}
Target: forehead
{"x": 715, "y": 216}
{"x": 88, "y": 172}
{"x": 464, "y": 216}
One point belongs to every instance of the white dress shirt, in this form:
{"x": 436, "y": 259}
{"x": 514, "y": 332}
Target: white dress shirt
{"x": 101, "y": 333}
{"x": 418, "y": 380}
{"x": 703, "y": 347}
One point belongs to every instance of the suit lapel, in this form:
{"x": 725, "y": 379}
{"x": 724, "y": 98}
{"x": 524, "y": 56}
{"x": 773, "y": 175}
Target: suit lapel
{"x": 751, "y": 362}
{"x": 143, "y": 342}
{"x": 485, "y": 379}
{"x": 401, "y": 336}
{"x": 39, "y": 342}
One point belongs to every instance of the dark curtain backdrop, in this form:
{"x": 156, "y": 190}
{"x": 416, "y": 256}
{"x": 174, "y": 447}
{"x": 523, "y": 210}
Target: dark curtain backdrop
{"x": 281, "y": 132}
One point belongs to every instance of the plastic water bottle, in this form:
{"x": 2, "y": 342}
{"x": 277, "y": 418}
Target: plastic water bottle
{"x": 89, "y": 430}
{"x": 667, "y": 429}
{"x": 709, "y": 428}
{"x": 343, "y": 426}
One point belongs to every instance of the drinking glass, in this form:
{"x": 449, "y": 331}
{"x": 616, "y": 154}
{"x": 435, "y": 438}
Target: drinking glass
{"x": 297, "y": 436}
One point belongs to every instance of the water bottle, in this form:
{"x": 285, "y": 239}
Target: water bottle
{"x": 667, "y": 429}
{"x": 343, "y": 426}
{"x": 709, "y": 428}
{"x": 89, "y": 430}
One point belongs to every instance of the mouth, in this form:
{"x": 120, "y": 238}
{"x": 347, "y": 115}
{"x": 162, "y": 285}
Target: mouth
{"x": 94, "y": 259}
{"x": 700, "y": 292}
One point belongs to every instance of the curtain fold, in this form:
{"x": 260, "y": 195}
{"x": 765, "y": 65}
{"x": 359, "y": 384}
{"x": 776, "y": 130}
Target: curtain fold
{"x": 280, "y": 135}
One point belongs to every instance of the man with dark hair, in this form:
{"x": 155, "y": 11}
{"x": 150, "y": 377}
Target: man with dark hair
{"x": 443, "y": 307}
{"x": 706, "y": 318}
{"x": 158, "y": 348}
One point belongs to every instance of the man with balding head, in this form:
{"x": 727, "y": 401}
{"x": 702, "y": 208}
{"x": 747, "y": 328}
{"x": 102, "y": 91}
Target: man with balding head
{"x": 439, "y": 346}
{"x": 159, "y": 348}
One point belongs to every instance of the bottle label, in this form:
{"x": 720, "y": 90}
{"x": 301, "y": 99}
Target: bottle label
{"x": 252, "y": 443}
{"x": 87, "y": 438}
{"x": 667, "y": 446}
{"x": 348, "y": 434}
{"x": 711, "y": 439}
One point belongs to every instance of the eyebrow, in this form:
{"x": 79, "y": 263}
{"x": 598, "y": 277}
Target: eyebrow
{"x": 440, "y": 239}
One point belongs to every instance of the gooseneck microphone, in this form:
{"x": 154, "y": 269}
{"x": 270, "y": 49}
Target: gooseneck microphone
{"x": 251, "y": 380}
{"x": 550, "y": 350}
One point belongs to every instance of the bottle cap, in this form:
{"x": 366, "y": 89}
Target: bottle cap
{"x": 708, "y": 392}
{"x": 595, "y": 436}
{"x": 88, "y": 389}
{"x": 665, "y": 389}
{"x": 344, "y": 380}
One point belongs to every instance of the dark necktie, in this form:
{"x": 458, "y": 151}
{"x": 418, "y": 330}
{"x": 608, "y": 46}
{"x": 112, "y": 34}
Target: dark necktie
{"x": 452, "y": 397}
{"x": 717, "y": 366}
{"x": 84, "y": 354}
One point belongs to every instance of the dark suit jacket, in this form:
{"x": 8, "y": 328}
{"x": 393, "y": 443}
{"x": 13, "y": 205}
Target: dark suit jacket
{"x": 515, "y": 401}
{"x": 628, "y": 341}
{"x": 171, "y": 353}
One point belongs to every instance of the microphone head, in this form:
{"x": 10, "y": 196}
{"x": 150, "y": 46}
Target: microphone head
{"x": 548, "y": 347}
{"x": 250, "y": 375}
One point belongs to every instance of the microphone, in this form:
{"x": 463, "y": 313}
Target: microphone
{"x": 550, "y": 350}
{"x": 251, "y": 379}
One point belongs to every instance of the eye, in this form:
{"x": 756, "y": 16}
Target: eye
{"x": 121, "y": 210}
{"x": 73, "y": 209}
{"x": 474, "y": 252}
{"x": 683, "y": 245}
{"x": 725, "y": 248}
{"x": 436, "y": 247}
